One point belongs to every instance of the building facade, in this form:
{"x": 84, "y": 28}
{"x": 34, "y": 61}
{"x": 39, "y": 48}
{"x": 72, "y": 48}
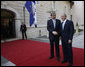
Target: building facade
{"x": 12, "y": 14}
{"x": 78, "y": 13}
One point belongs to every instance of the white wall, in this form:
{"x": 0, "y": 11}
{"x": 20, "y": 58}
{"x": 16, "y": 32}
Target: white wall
{"x": 78, "y": 12}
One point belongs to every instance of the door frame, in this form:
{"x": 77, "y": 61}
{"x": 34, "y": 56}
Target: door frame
{"x": 17, "y": 20}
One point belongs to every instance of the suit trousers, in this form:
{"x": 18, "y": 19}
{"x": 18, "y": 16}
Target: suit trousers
{"x": 56, "y": 42}
{"x": 67, "y": 52}
{"x": 24, "y": 35}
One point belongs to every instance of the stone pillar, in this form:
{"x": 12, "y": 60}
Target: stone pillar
{"x": 39, "y": 33}
{"x": 77, "y": 28}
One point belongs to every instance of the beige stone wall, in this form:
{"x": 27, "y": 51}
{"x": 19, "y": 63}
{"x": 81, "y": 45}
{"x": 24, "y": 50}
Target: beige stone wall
{"x": 17, "y": 5}
{"x": 62, "y": 7}
{"x": 78, "y": 13}
{"x": 42, "y": 16}
{"x": 43, "y": 7}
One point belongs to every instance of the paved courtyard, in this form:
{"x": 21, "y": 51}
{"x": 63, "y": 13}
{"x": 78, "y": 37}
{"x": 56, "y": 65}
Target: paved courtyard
{"x": 78, "y": 40}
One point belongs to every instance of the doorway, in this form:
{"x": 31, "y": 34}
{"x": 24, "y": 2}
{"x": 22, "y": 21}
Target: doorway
{"x": 8, "y": 19}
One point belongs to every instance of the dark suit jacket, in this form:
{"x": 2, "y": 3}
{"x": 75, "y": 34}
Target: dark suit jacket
{"x": 23, "y": 28}
{"x": 50, "y": 28}
{"x": 68, "y": 31}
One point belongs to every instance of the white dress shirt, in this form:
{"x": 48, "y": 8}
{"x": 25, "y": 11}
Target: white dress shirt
{"x": 54, "y": 22}
{"x": 63, "y": 24}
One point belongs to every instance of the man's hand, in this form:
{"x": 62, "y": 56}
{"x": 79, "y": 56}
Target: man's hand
{"x": 69, "y": 41}
{"x": 60, "y": 38}
{"x": 55, "y": 33}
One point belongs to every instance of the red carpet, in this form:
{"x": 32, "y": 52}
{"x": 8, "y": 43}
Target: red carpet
{"x": 34, "y": 53}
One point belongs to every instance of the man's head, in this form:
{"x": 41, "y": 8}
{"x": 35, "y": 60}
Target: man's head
{"x": 22, "y": 23}
{"x": 63, "y": 17}
{"x": 53, "y": 15}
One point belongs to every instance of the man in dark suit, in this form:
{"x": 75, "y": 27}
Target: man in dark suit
{"x": 23, "y": 29}
{"x": 67, "y": 31}
{"x": 53, "y": 26}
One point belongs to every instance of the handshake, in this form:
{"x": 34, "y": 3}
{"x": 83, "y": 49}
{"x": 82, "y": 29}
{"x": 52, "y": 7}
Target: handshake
{"x": 55, "y": 33}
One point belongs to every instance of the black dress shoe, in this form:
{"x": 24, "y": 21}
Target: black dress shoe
{"x": 70, "y": 64}
{"x": 51, "y": 57}
{"x": 64, "y": 61}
